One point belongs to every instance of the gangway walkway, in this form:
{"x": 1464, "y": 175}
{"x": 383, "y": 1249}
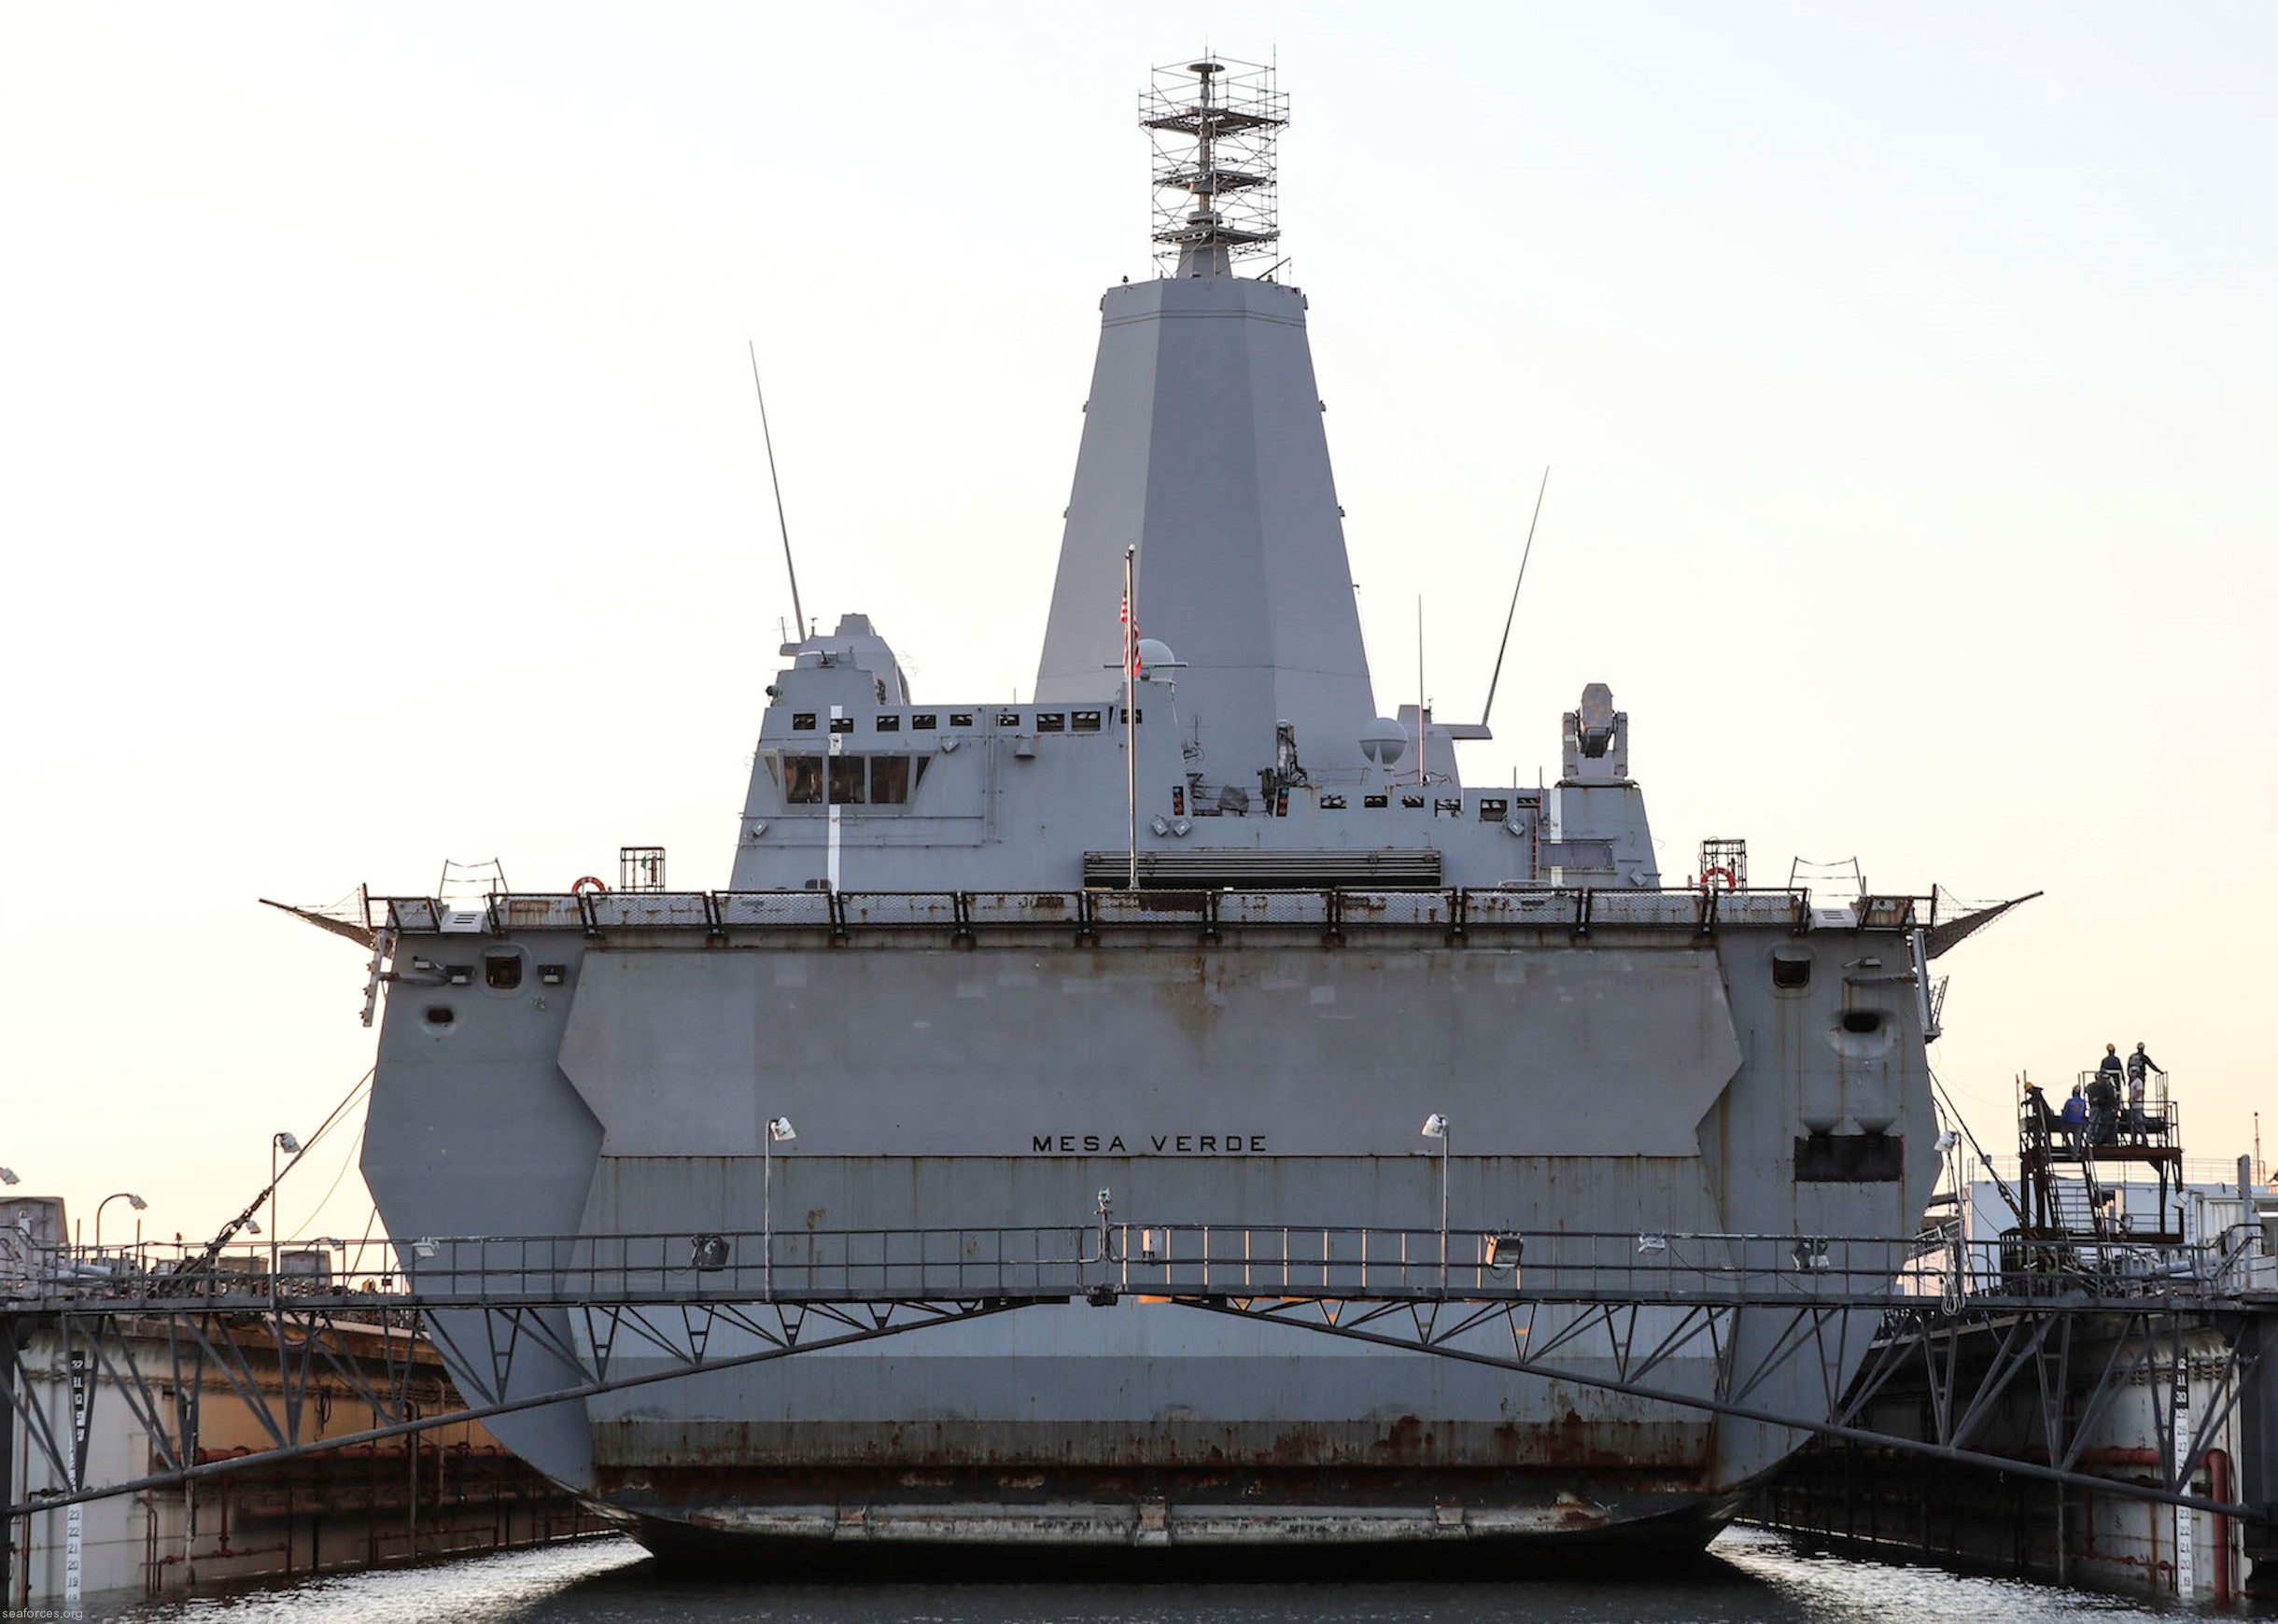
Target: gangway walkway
{"x": 1653, "y": 1316}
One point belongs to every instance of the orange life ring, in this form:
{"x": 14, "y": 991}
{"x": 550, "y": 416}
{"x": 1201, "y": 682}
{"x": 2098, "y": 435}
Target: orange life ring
{"x": 584, "y": 883}
{"x": 1731, "y": 884}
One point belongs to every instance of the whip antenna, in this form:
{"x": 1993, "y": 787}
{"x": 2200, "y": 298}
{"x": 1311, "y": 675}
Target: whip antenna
{"x": 1514, "y": 596}
{"x": 798, "y": 613}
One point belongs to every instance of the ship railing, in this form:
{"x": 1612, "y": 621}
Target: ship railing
{"x": 1453, "y": 911}
{"x": 1170, "y": 1260}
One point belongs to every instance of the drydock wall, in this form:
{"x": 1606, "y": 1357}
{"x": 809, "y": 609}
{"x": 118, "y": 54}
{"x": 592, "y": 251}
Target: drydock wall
{"x": 1893, "y": 1502}
{"x": 2258, "y": 1453}
{"x": 449, "y": 1490}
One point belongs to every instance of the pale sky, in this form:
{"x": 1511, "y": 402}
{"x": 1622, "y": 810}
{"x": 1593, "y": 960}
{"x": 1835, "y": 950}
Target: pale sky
{"x": 380, "y": 483}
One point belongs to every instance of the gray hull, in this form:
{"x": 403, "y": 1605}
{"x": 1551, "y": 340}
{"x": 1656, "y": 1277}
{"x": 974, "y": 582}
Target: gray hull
{"x": 1291, "y": 1071}
{"x": 1325, "y": 1538}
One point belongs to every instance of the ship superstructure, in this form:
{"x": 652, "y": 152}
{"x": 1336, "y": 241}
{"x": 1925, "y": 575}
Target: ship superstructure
{"x": 1196, "y": 931}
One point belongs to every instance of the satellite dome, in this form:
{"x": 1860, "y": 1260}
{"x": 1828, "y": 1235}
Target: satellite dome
{"x": 1154, "y": 651}
{"x": 1384, "y": 741}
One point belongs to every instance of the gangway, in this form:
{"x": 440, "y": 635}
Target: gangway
{"x": 1635, "y": 1313}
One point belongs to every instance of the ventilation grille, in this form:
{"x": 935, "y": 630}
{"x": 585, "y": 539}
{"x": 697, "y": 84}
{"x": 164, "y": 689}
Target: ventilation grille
{"x": 1205, "y": 869}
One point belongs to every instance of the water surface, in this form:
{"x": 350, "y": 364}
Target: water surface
{"x": 1750, "y": 1576}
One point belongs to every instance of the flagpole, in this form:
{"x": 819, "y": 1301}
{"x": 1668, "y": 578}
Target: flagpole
{"x": 1131, "y": 725}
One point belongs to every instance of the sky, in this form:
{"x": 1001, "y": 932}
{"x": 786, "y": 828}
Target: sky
{"x": 381, "y": 481}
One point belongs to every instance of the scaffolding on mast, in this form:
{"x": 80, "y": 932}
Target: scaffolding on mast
{"x": 1214, "y": 124}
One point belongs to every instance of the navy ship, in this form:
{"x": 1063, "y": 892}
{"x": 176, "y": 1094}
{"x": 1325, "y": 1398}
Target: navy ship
{"x": 1200, "y": 937}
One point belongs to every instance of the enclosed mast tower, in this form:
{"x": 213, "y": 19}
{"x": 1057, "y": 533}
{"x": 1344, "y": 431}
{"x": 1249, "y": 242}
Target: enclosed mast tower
{"x": 1203, "y": 452}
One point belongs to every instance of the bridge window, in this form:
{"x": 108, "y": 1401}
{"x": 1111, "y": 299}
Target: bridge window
{"x": 961, "y": 719}
{"x": 890, "y": 724}
{"x": 847, "y": 777}
{"x": 890, "y": 780}
{"x": 1051, "y": 722}
{"x": 1085, "y": 721}
{"x": 803, "y": 780}
{"x": 802, "y": 721}
{"x": 922, "y": 721}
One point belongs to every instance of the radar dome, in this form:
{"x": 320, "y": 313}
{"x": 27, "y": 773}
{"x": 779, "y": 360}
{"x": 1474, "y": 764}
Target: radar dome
{"x": 1154, "y": 651}
{"x": 1384, "y": 741}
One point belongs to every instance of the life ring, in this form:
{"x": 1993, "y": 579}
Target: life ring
{"x": 586, "y": 883}
{"x": 1731, "y": 884}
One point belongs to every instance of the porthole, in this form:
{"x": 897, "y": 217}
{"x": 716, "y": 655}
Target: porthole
{"x": 501, "y": 971}
{"x": 1791, "y": 968}
{"x": 440, "y": 1018}
{"x": 1861, "y": 1021}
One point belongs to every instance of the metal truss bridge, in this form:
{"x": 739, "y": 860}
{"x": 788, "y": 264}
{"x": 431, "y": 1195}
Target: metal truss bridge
{"x": 1656, "y": 1317}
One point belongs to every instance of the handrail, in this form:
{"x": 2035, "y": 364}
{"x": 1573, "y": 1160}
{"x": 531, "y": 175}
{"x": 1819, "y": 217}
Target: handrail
{"x": 1457, "y": 911}
{"x": 1116, "y": 1258}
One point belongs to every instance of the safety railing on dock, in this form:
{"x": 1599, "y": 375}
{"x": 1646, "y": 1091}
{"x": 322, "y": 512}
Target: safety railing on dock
{"x": 1115, "y": 1258}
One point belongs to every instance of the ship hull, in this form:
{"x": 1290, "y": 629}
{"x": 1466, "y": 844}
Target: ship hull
{"x": 1632, "y": 1104}
{"x": 1404, "y": 1531}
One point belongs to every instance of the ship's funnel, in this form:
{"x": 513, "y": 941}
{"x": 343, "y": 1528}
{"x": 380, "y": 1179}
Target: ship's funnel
{"x": 1203, "y": 449}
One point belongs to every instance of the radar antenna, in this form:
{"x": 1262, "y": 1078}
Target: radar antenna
{"x": 1504, "y": 647}
{"x": 1214, "y": 203}
{"x": 797, "y": 612}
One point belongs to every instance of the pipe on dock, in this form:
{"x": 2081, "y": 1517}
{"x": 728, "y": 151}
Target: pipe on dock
{"x": 2218, "y": 1488}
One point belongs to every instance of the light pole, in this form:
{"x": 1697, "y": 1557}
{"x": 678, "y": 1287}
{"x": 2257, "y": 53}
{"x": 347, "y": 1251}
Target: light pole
{"x": 1435, "y": 1126}
{"x": 129, "y": 1196}
{"x": 291, "y": 1147}
{"x": 779, "y": 1131}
